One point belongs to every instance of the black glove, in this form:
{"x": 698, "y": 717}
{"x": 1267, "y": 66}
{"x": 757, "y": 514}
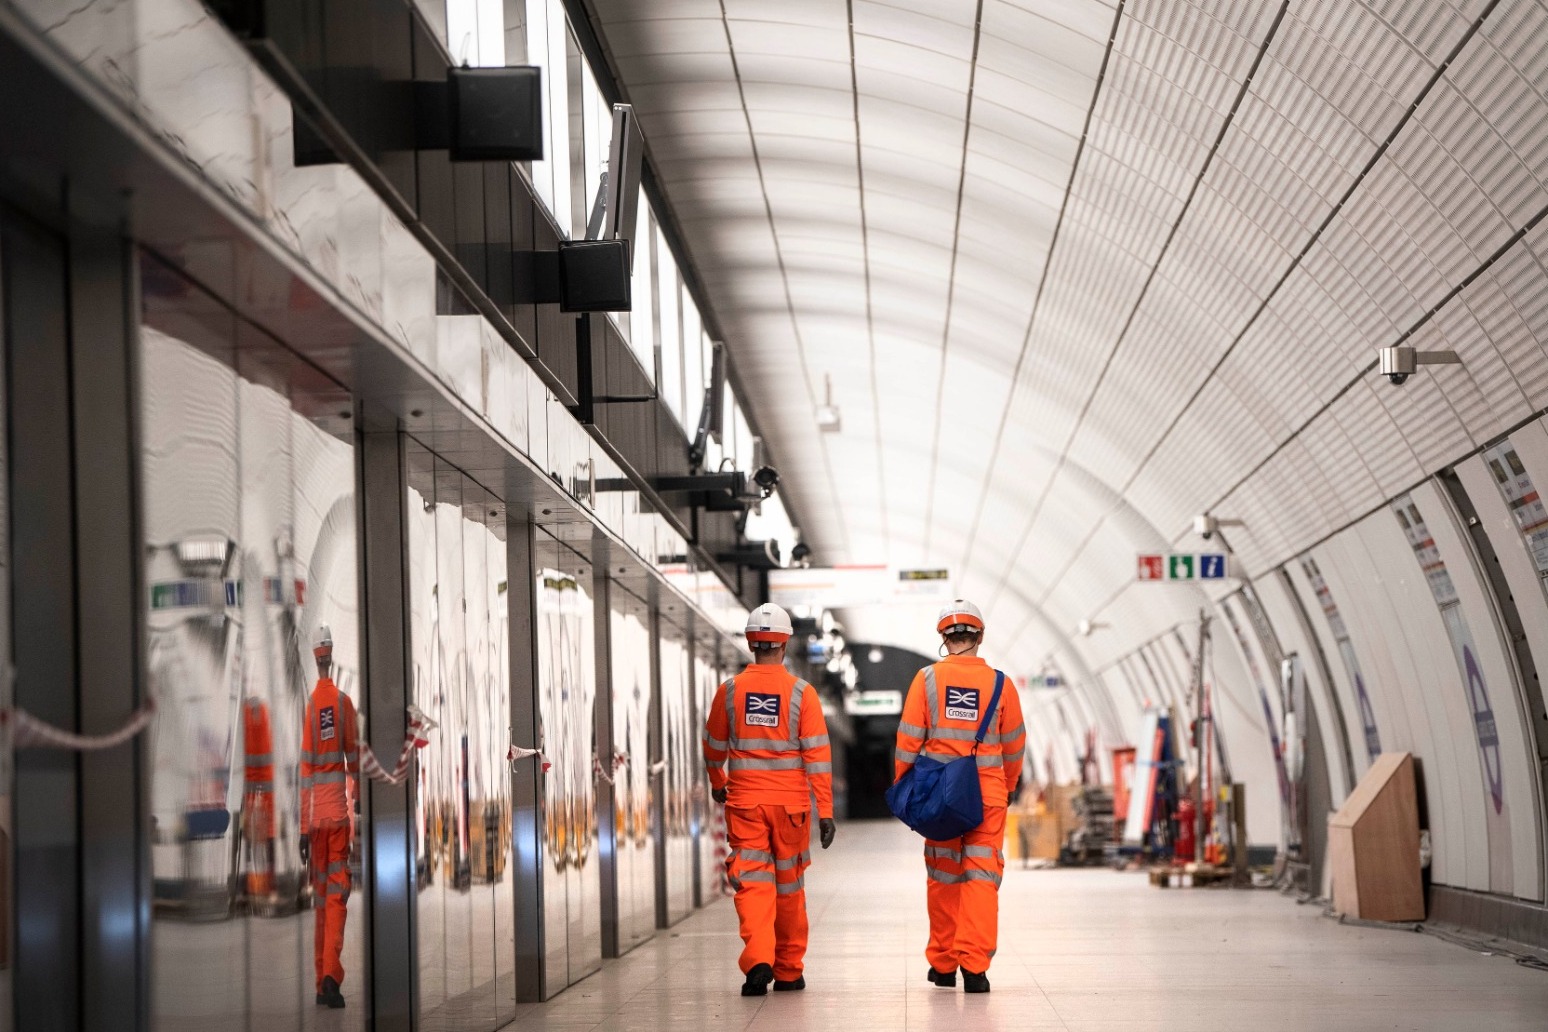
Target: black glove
{"x": 306, "y": 851}
{"x": 719, "y": 795}
{"x": 826, "y": 829}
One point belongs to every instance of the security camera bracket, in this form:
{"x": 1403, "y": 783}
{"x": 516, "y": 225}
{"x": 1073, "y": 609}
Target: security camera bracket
{"x": 1401, "y": 360}
{"x": 1207, "y": 526}
{"x": 715, "y": 492}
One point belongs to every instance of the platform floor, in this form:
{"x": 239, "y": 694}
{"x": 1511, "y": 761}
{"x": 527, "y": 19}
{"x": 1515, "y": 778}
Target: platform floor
{"x": 1082, "y": 950}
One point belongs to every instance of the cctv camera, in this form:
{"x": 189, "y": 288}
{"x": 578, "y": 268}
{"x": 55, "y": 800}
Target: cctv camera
{"x": 1206, "y": 525}
{"x": 767, "y": 478}
{"x": 1398, "y": 363}
{"x": 800, "y": 553}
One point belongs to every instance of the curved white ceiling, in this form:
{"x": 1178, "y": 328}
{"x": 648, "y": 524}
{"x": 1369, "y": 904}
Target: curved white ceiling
{"x": 1079, "y": 271}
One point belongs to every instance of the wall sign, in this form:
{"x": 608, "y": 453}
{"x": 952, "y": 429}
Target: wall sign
{"x": 1182, "y": 566}
{"x": 837, "y": 587}
{"x": 874, "y": 702}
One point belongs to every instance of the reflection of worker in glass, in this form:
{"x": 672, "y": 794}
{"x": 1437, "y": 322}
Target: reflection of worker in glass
{"x": 330, "y": 762}
{"x": 258, "y": 797}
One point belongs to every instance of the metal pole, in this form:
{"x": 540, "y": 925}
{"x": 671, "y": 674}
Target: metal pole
{"x": 1201, "y": 739}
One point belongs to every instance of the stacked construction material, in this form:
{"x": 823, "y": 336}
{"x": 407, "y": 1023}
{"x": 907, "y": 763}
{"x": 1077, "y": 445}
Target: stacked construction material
{"x": 1093, "y": 829}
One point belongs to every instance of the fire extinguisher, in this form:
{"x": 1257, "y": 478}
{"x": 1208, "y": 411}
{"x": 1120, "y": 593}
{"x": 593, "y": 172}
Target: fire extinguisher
{"x": 1185, "y": 845}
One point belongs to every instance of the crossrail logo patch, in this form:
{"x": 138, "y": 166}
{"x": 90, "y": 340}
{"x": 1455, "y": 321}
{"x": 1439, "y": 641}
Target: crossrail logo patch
{"x": 961, "y": 703}
{"x": 760, "y": 710}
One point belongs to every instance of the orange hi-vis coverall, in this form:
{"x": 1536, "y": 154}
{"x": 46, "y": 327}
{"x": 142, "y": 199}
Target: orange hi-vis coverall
{"x": 258, "y": 794}
{"x": 766, "y": 743}
{"x": 940, "y": 718}
{"x": 330, "y": 762}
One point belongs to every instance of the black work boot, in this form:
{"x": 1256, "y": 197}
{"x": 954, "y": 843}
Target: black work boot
{"x": 329, "y": 995}
{"x": 943, "y": 979}
{"x": 972, "y": 983}
{"x": 794, "y": 985}
{"x": 758, "y": 980}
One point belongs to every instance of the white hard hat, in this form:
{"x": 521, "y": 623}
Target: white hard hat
{"x": 324, "y": 646}
{"x": 959, "y": 615}
{"x": 768, "y": 625}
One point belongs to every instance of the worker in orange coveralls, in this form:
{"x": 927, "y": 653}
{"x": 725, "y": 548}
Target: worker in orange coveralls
{"x": 258, "y": 795}
{"x": 940, "y": 718}
{"x": 766, "y": 747}
{"x": 330, "y": 764}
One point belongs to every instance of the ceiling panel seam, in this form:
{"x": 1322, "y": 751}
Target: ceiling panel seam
{"x": 1295, "y": 263}
{"x": 1139, "y": 301}
{"x": 870, "y": 319}
{"x": 1042, "y": 282}
{"x": 1324, "y": 409}
{"x": 1423, "y": 320}
{"x": 1314, "y": 239}
{"x": 951, "y": 276}
{"x": 795, "y": 325}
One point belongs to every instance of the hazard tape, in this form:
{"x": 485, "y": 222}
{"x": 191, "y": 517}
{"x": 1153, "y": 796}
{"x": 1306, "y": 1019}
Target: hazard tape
{"x": 517, "y": 752}
{"x": 722, "y": 849}
{"x": 414, "y": 739}
{"x": 31, "y": 733}
{"x": 620, "y": 761}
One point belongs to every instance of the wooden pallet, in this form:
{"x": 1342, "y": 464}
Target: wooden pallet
{"x": 1187, "y": 876}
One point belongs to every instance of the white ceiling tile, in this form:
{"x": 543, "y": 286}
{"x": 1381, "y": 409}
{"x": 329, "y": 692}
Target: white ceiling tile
{"x": 1239, "y": 345}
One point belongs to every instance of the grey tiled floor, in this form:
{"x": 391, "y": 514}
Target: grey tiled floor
{"x": 1087, "y": 951}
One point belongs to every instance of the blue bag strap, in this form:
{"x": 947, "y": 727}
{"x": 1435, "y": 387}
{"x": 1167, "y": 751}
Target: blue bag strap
{"x": 994, "y": 705}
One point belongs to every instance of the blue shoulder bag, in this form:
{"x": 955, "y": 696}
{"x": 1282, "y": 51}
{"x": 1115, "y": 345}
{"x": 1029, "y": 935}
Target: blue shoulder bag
{"x": 943, "y": 801}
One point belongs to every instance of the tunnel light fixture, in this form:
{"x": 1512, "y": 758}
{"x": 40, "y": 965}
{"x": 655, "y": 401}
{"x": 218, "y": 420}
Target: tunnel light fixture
{"x": 829, "y": 419}
{"x": 1087, "y": 627}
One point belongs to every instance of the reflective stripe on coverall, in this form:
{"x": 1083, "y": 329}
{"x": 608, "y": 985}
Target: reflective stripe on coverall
{"x": 766, "y": 743}
{"x": 940, "y": 719}
{"x": 330, "y": 761}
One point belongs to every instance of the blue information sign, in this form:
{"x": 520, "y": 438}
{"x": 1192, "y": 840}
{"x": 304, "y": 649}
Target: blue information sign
{"x": 1212, "y": 567}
